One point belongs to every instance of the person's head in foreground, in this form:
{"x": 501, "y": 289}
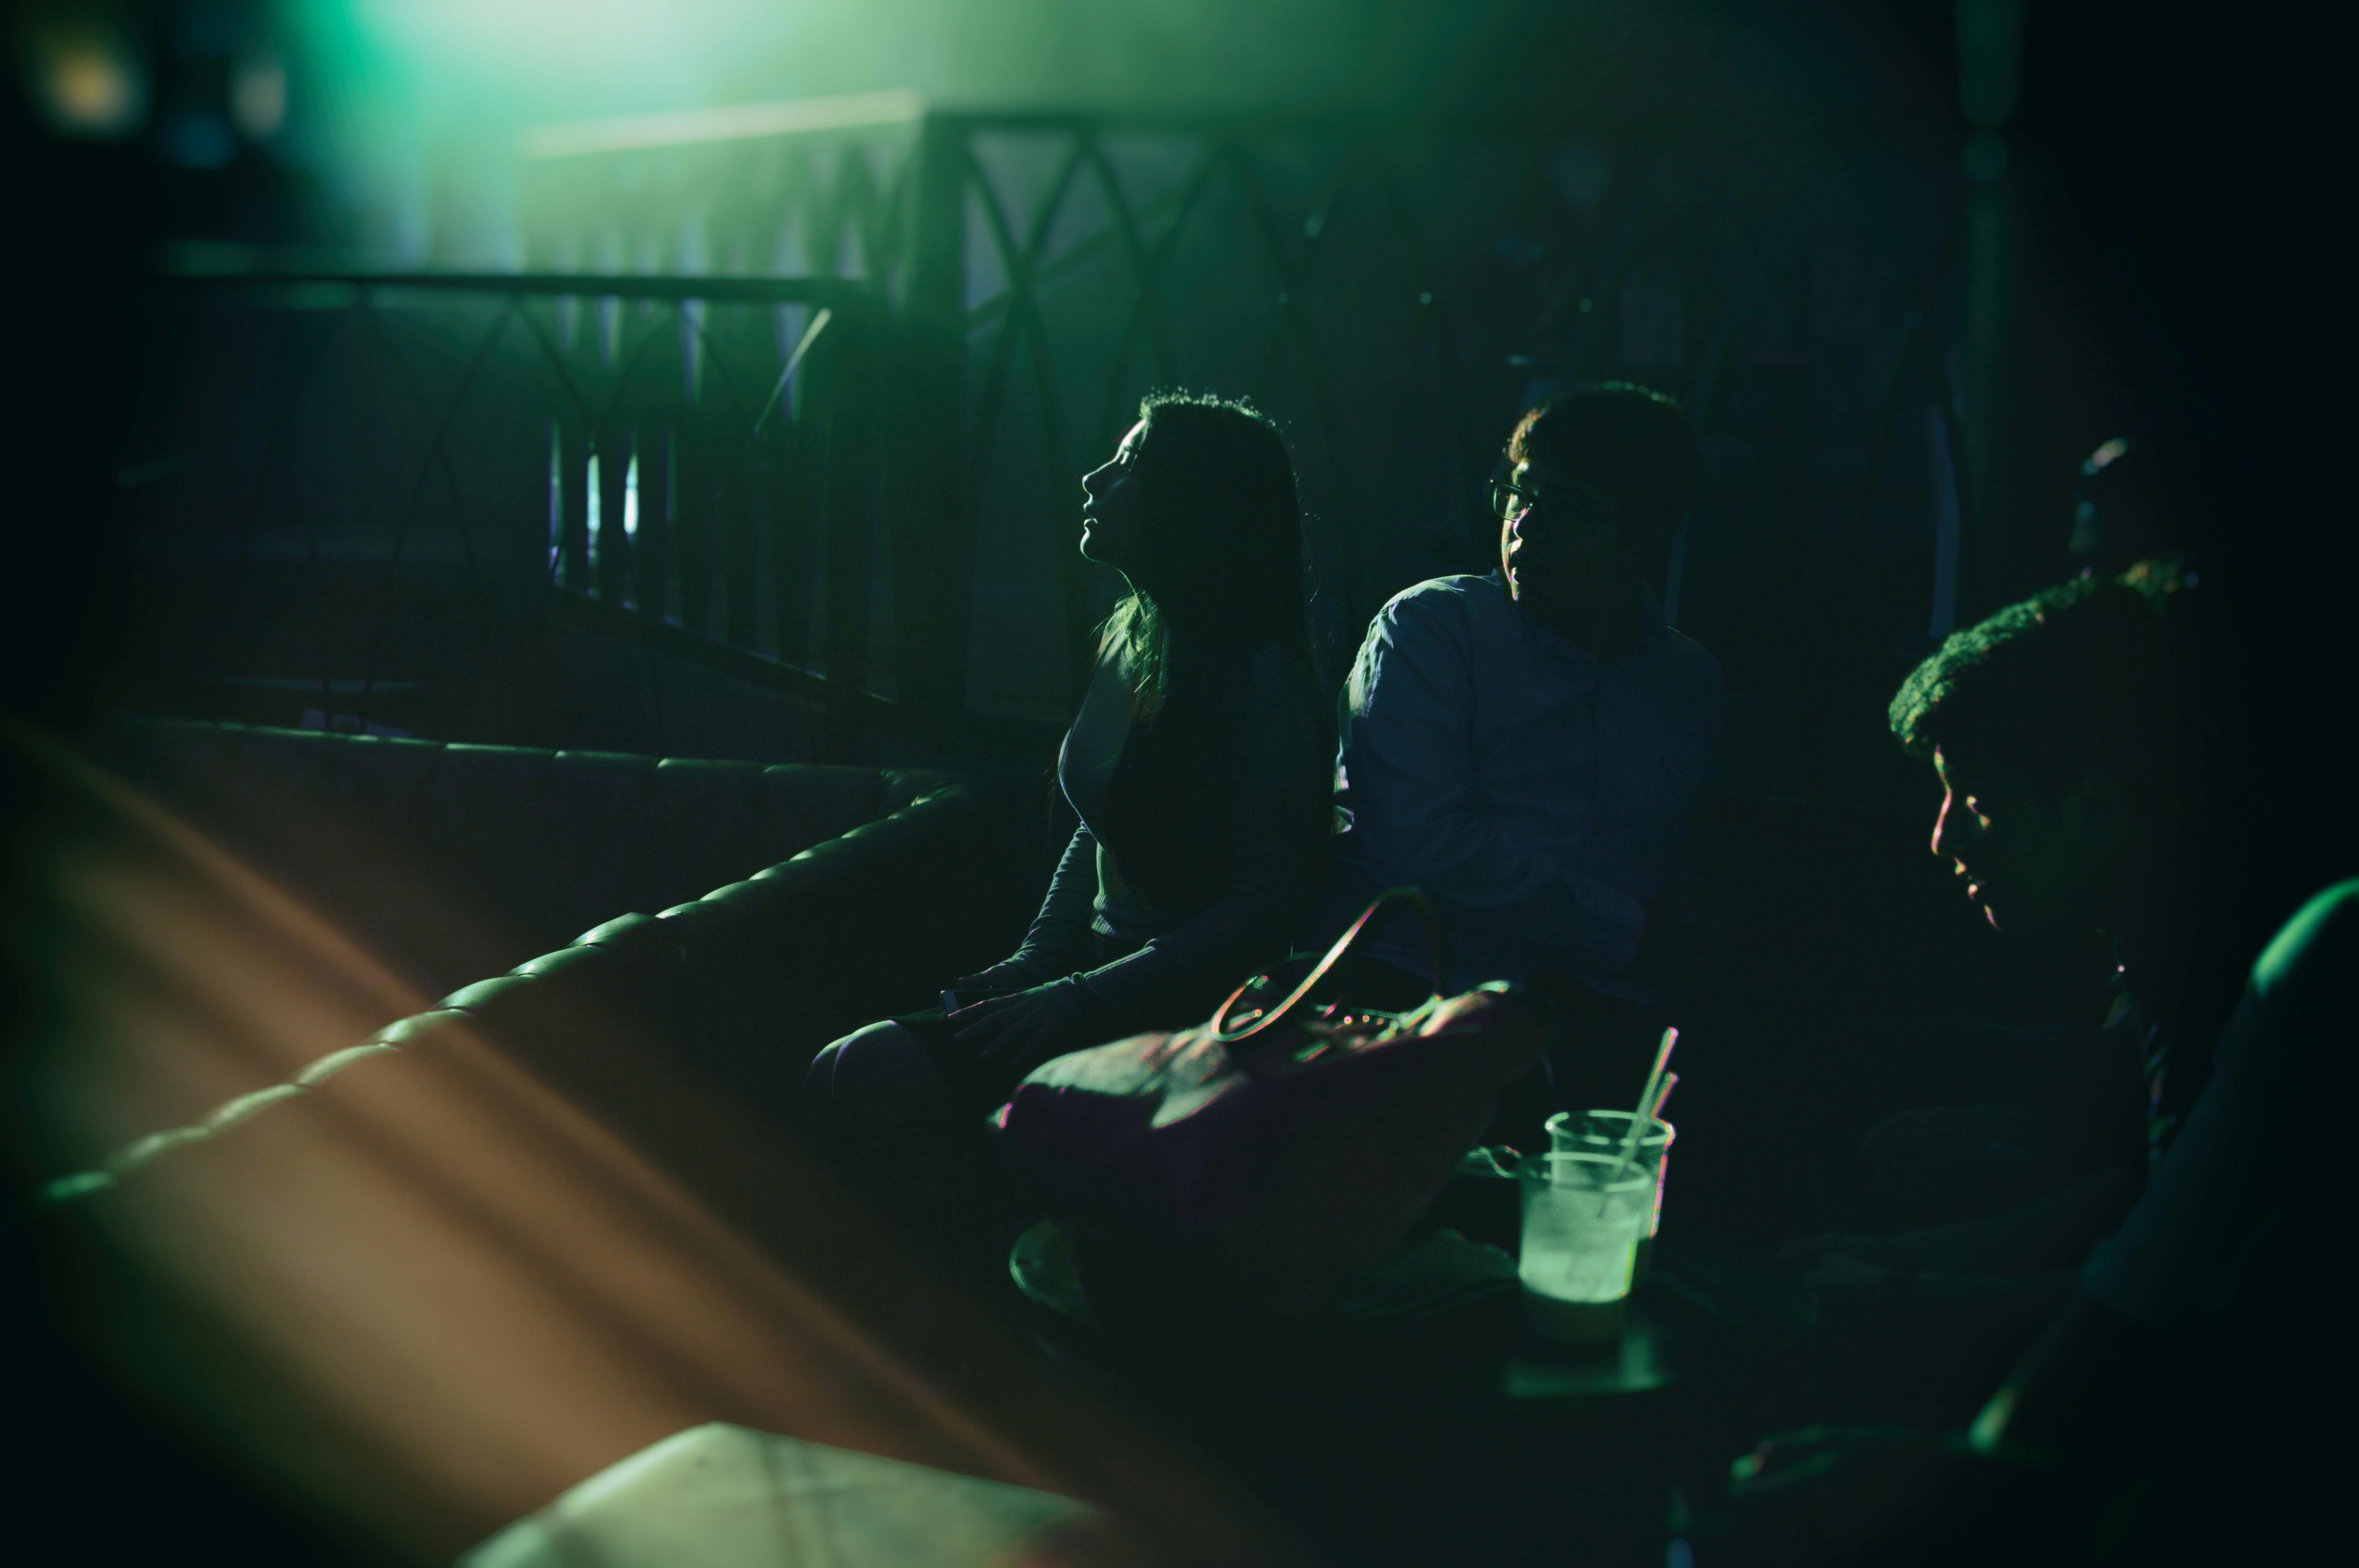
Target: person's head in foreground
{"x": 1599, "y": 479}
{"x": 2059, "y": 730}
{"x": 1197, "y": 509}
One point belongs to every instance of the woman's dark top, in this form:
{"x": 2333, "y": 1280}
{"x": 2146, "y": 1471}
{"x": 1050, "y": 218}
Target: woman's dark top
{"x": 1205, "y": 836}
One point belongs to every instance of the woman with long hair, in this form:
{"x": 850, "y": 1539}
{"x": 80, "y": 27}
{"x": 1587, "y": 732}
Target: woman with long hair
{"x": 1200, "y": 766}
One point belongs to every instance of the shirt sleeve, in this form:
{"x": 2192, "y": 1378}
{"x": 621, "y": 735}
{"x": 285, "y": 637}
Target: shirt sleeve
{"x": 1281, "y": 826}
{"x": 1409, "y": 763}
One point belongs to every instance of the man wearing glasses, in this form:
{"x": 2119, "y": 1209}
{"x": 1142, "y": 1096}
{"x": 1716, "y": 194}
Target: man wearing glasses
{"x": 1527, "y": 746}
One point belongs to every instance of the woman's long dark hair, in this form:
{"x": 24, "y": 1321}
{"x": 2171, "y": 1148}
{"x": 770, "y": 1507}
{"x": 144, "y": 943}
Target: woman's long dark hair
{"x": 1222, "y": 574}
{"x": 1219, "y": 579}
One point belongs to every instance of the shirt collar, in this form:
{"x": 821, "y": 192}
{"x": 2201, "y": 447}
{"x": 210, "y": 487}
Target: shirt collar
{"x": 1652, "y": 627}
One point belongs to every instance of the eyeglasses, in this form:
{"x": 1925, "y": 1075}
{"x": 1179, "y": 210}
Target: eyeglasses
{"x": 1507, "y": 500}
{"x": 1510, "y": 500}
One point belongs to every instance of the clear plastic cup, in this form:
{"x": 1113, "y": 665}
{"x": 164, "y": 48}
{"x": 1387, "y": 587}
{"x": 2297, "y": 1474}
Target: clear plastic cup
{"x": 1602, "y": 1132}
{"x": 1585, "y": 1221}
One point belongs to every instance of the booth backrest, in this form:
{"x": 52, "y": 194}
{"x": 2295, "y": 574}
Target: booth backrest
{"x": 450, "y": 861}
{"x": 439, "y": 1274}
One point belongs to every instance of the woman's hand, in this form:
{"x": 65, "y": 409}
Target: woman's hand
{"x": 1026, "y": 968}
{"x": 1027, "y": 1028}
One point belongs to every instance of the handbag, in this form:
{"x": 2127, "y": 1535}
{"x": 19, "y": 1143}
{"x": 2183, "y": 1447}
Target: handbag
{"x": 1265, "y": 1155}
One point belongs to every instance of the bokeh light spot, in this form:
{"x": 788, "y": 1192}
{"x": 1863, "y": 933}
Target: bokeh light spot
{"x": 196, "y": 140}
{"x": 258, "y": 98}
{"x": 88, "y": 82}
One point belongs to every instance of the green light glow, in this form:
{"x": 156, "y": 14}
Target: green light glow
{"x": 1989, "y": 1429}
{"x": 540, "y": 35}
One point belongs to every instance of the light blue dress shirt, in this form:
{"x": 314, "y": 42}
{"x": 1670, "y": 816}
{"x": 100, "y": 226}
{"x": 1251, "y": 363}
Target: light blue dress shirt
{"x": 1539, "y": 795}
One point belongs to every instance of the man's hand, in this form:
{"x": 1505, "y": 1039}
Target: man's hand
{"x": 1833, "y": 1275}
{"x": 1946, "y": 1248}
{"x": 1997, "y": 1132}
{"x": 1836, "y": 1266}
{"x": 1827, "y": 1496}
{"x": 1027, "y": 1028}
{"x": 1892, "y": 1251}
{"x": 1952, "y": 1163}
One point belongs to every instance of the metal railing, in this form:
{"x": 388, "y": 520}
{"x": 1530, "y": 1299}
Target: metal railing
{"x": 1004, "y": 286}
{"x": 1394, "y": 295}
{"x": 345, "y": 476}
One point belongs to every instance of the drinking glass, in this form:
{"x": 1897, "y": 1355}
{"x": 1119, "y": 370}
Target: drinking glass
{"x": 1584, "y": 1217}
{"x": 1602, "y": 1132}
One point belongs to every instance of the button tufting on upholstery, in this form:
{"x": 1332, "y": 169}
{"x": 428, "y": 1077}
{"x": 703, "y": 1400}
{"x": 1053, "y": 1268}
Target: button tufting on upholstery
{"x": 133, "y": 1155}
{"x": 515, "y": 816}
{"x": 483, "y": 993}
{"x": 563, "y": 960}
{"x": 612, "y": 932}
{"x": 335, "y": 1062}
{"x": 531, "y": 845}
{"x": 409, "y": 1031}
{"x": 238, "y": 1109}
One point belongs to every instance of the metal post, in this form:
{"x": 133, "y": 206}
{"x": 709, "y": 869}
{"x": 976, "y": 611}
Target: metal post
{"x": 849, "y": 361}
{"x": 933, "y": 538}
{"x": 1990, "y": 74}
{"x": 613, "y": 577}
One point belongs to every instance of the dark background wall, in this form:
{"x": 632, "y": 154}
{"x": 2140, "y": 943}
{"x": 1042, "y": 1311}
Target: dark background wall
{"x": 2173, "y": 181}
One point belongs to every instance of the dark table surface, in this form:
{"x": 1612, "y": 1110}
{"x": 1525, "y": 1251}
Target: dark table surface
{"x": 1465, "y": 1438}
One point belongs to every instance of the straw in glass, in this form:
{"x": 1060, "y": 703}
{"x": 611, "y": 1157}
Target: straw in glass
{"x": 1648, "y": 1097}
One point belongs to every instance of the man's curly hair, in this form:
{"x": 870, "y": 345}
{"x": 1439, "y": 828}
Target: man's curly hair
{"x": 2085, "y": 677}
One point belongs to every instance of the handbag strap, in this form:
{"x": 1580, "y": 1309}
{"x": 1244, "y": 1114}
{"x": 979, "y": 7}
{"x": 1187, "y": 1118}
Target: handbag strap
{"x": 1390, "y": 901}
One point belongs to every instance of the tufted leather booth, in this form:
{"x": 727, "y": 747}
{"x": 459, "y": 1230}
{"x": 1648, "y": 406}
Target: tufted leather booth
{"x": 451, "y": 860}
{"x": 425, "y": 1281}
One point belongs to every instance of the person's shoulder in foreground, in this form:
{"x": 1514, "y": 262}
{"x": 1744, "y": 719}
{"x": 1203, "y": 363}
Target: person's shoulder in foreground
{"x": 2243, "y": 1160}
{"x": 2315, "y": 952}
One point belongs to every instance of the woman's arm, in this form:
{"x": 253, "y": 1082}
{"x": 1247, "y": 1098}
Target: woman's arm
{"x": 1062, "y": 926}
{"x": 1056, "y": 942}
